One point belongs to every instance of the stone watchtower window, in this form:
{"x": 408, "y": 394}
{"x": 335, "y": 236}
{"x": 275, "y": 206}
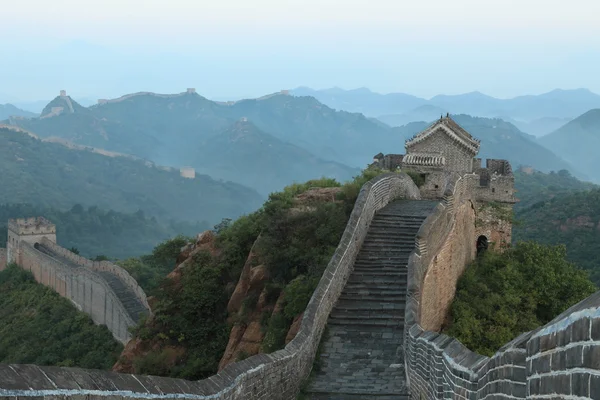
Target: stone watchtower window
{"x": 493, "y": 190}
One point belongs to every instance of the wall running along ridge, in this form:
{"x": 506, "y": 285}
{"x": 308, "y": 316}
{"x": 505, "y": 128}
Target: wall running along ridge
{"x": 278, "y": 375}
{"x": 558, "y": 361}
{"x": 87, "y": 290}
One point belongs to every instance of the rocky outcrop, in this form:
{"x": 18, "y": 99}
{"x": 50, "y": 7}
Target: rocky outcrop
{"x": 139, "y": 348}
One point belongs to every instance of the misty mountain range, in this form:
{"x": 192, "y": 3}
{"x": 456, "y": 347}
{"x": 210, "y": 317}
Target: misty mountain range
{"x": 534, "y": 114}
{"x": 263, "y": 143}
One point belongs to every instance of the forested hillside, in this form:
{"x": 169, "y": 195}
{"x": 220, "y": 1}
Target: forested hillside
{"x": 240, "y": 291}
{"x": 534, "y": 186}
{"x": 40, "y": 327}
{"x": 51, "y": 175}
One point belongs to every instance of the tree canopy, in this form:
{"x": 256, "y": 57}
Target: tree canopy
{"x": 502, "y": 295}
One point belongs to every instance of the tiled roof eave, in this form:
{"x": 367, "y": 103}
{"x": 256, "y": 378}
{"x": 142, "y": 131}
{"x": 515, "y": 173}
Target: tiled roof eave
{"x": 469, "y": 144}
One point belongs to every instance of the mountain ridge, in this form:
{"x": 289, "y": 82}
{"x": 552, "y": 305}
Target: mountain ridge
{"x": 577, "y": 142}
{"x": 562, "y": 103}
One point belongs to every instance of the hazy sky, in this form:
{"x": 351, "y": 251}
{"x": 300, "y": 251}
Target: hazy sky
{"x": 238, "y": 48}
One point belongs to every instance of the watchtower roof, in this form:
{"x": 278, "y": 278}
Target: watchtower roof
{"x": 450, "y": 128}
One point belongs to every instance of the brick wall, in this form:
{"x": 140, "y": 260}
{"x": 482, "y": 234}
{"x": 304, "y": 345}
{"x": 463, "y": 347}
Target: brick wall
{"x": 558, "y": 361}
{"x": 264, "y": 376}
{"x": 3, "y": 256}
{"x": 123, "y": 275}
{"x": 88, "y": 291}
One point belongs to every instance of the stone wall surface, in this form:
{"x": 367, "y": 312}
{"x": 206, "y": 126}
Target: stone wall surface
{"x": 558, "y": 361}
{"x": 3, "y": 259}
{"x": 88, "y": 291}
{"x": 107, "y": 266}
{"x": 264, "y": 376}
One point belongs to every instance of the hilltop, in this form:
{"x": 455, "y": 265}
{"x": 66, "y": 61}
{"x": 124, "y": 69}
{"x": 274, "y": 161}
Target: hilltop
{"x": 577, "y": 142}
{"x": 259, "y": 160}
{"x": 52, "y": 175}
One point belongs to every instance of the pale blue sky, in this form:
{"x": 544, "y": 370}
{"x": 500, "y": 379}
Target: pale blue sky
{"x": 238, "y": 48}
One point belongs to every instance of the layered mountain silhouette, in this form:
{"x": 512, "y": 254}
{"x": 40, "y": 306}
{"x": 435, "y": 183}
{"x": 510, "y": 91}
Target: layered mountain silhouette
{"x": 398, "y": 108}
{"x": 578, "y": 142}
{"x": 267, "y": 142}
{"x": 52, "y": 175}
{"x": 9, "y": 110}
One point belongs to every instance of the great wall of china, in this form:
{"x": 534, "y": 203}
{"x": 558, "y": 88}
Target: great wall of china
{"x": 383, "y": 296}
{"x": 101, "y": 289}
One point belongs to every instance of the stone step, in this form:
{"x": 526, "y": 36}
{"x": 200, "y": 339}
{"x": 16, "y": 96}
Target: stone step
{"x": 397, "y": 262}
{"x": 369, "y": 305}
{"x": 388, "y": 243}
{"x": 360, "y": 317}
{"x": 397, "y": 281}
{"x": 399, "y": 297}
{"x": 355, "y": 396}
{"x": 374, "y": 287}
{"x": 383, "y": 226}
{"x": 383, "y": 253}
{"x": 385, "y": 236}
{"x": 399, "y": 270}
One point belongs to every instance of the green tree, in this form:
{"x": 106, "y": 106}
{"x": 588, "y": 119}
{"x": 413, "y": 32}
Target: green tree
{"x": 503, "y": 295}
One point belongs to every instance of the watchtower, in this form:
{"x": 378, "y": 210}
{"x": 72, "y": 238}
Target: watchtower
{"x": 63, "y": 93}
{"x": 29, "y": 230}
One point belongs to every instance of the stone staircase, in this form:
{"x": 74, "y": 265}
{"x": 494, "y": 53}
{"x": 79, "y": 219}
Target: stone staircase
{"x": 362, "y": 355}
{"x": 132, "y": 304}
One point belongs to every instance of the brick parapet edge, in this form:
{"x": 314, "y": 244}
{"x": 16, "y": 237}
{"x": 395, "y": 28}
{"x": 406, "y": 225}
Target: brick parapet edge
{"x": 108, "y": 266}
{"x": 558, "y": 361}
{"x": 278, "y": 375}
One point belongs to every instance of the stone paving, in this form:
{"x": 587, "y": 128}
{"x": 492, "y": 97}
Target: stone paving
{"x": 362, "y": 354}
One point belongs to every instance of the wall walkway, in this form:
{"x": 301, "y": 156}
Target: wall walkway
{"x": 101, "y": 289}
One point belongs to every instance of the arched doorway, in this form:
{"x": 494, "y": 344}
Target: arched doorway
{"x": 482, "y": 244}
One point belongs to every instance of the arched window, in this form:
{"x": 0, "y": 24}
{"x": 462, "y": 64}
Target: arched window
{"x": 482, "y": 244}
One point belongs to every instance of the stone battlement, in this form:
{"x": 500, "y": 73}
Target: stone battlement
{"x": 444, "y": 148}
{"x": 31, "y": 226}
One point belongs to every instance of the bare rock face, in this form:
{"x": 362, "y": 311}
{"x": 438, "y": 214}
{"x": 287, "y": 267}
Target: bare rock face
{"x": 294, "y": 329}
{"x": 243, "y": 285}
{"x": 136, "y": 347}
{"x": 205, "y": 241}
{"x": 247, "y": 334}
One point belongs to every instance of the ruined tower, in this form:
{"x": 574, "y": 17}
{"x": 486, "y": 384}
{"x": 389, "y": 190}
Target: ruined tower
{"x": 29, "y": 230}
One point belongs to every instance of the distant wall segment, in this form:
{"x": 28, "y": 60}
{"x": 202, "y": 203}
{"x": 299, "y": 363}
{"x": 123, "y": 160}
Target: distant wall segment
{"x": 101, "y": 289}
{"x": 86, "y": 289}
